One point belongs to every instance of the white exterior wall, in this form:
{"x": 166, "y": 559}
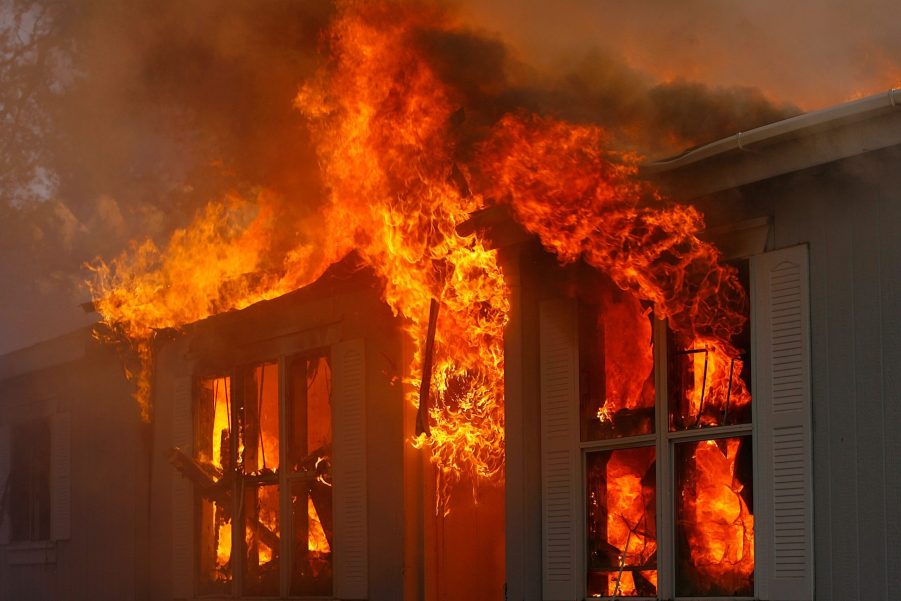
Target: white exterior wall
{"x": 850, "y": 214}
{"x": 95, "y": 551}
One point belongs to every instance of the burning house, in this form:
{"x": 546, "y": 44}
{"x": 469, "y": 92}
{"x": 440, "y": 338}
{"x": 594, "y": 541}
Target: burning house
{"x": 537, "y": 368}
{"x": 636, "y": 464}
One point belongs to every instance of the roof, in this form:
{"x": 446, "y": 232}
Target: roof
{"x": 800, "y": 142}
{"x": 48, "y": 353}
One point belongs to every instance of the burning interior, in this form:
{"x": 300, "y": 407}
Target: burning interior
{"x": 242, "y": 462}
{"x": 622, "y": 432}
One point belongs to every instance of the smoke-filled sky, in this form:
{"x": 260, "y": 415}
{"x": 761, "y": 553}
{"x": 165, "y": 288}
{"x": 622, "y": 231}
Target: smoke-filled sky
{"x": 118, "y": 120}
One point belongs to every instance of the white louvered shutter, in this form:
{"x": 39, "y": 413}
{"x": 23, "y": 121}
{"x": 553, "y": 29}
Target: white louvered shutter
{"x": 349, "y": 469}
{"x": 560, "y": 459}
{"x": 182, "y": 493}
{"x": 60, "y": 476}
{"x": 781, "y": 325}
{"x": 5, "y": 466}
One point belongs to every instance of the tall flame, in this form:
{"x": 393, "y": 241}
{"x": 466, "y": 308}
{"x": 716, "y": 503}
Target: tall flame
{"x": 720, "y": 527}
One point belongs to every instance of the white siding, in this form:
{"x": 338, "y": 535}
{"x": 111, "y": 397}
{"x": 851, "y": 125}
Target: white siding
{"x": 5, "y": 461}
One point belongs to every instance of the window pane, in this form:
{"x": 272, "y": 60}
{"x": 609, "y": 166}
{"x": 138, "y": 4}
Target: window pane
{"x": 311, "y": 507}
{"x": 707, "y": 379}
{"x": 715, "y": 518}
{"x": 212, "y": 450}
{"x": 29, "y": 482}
{"x": 616, "y": 363}
{"x": 309, "y": 452}
{"x": 310, "y": 411}
{"x": 622, "y": 530}
{"x": 215, "y": 546}
{"x": 261, "y": 542}
{"x": 258, "y": 444}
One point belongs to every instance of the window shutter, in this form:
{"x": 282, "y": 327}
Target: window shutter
{"x": 560, "y": 458}
{"x": 182, "y": 493}
{"x": 781, "y": 325}
{"x": 60, "y": 476}
{"x": 5, "y": 464}
{"x": 349, "y": 469}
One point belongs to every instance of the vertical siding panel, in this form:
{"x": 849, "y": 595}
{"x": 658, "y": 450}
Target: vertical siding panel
{"x": 868, "y": 396}
{"x": 890, "y": 263}
{"x": 5, "y": 467}
{"x": 822, "y": 418}
{"x": 839, "y": 376}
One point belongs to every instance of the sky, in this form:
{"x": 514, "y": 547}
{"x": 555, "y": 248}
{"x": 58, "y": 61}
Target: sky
{"x": 137, "y": 113}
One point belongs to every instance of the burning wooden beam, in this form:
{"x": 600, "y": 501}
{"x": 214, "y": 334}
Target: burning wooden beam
{"x": 422, "y": 416}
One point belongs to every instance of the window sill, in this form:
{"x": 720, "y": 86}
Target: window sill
{"x": 31, "y": 553}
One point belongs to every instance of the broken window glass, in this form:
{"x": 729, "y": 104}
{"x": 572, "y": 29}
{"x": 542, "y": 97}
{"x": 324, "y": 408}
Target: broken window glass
{"x": 212, "y": 452}
{"x": 258, "y": 442}
{"x": 310, "y": 477}
{"x": 261, "y": 539}
{"x": 616, "y": 363}
{"x": 709, "y": 385}
{"x": 622, "y": 530}
{"x": 714, "y": 518}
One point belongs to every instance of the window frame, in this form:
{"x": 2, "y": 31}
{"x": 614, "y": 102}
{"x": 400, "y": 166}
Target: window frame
{"x": 782, "y": 427}
{"x": 664, "y": 442}
{"x": 17, "y": 431}
{"x": 285, "y": 518}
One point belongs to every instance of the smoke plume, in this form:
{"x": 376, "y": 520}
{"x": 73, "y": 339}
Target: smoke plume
{"x": 122, "y": 120}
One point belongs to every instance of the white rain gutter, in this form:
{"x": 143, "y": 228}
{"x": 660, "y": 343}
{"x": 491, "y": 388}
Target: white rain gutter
{"x": 789, "y": 145}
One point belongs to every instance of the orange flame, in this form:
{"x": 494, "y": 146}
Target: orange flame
{"x": 585, "y": 201}
{"x": 373, "y": 110}
{"x": 317, "y": 541}
{"x": 719, "y": 527}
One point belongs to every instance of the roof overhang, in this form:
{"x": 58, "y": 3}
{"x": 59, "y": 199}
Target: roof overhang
{"x": 782, "y": 147}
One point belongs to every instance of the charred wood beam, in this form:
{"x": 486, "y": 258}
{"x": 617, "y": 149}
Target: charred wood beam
{"x": 422, "y": 416}
{"x": 219, "y": 492}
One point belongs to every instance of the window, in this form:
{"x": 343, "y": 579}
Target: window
{"x": 659, "y": 478}
{"x": 619, "y": 412}
{"x": 274, "y": 457}
{"x": 28, "y": 492}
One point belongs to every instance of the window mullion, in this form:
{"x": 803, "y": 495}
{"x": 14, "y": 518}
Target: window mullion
{"x": 665, "y": 529}
{"x": 618, "y": 443}
{"x": 709, "y": 433}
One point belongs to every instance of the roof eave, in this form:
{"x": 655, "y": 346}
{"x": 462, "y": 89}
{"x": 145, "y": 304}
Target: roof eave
{"x": 782, "y": 147}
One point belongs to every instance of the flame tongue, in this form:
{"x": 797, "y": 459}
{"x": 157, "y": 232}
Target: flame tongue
{"x": 379, "y": 116}
{"x": 584, "y": 201}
